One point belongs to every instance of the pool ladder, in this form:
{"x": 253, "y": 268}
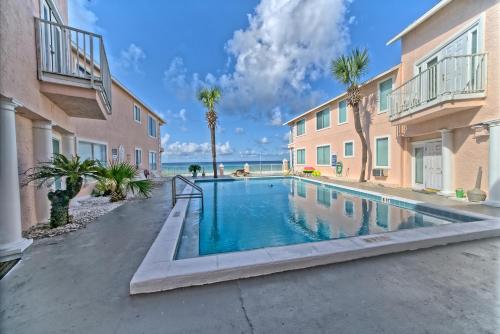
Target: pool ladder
{"x": 175, "y": 196}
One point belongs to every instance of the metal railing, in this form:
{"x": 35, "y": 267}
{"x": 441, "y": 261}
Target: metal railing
{"x": 176, "y": 196}
{"x": 74, "y": 54}
{"x": 453, "y": 77}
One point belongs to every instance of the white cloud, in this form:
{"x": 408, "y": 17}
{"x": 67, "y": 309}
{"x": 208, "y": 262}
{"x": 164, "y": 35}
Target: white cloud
{"x": 239, "y": 130}
{"x": 164, "y": 139}
{"x": 189, "y": 148}
{"x": 264, "y": 141}
{"x": 352, "y": 19}
{"x": 131, "y": 57}
{"x": 276, "y": 119}
{"x": 82, "y": 17}
{"x": 286, "y": 45}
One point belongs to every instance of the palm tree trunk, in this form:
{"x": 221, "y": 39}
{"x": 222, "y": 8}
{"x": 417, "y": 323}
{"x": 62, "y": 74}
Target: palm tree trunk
{"x": 364, "y": 147}
{"x": 212, "y": 138}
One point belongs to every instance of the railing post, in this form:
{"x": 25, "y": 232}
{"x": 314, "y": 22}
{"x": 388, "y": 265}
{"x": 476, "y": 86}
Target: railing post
{"x": 91, "y": 40}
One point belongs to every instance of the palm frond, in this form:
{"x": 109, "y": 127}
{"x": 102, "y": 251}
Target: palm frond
{"x": 141, "y": 187}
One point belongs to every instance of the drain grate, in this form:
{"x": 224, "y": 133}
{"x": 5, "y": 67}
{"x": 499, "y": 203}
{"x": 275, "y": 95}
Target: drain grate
{"x": 376, "y": 239}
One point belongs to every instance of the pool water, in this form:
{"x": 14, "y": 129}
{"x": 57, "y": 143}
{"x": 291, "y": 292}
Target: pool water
{"x": 256, "y": 213}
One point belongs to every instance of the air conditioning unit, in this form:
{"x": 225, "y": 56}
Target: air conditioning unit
{"x": 380, "y": 172}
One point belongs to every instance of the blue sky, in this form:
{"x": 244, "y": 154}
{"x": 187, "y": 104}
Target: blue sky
{"x": 270, "y": 57}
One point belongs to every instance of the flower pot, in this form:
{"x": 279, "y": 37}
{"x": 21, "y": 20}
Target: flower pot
{"x": 460, "y": 193}
{"x": 195, "y": 174}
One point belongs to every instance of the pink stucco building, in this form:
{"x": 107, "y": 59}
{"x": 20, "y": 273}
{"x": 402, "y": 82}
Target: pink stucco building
{"x": 57, "y": 95}
{"x": 432, "y": 121}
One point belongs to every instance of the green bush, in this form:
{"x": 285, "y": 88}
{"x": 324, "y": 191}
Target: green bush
{"x": 122, "y": 178}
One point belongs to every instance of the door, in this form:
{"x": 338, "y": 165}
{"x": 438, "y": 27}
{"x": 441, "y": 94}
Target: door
{"x": 51, "y": 40}
{"x": 56, "y": 149}
{"x": 433, "y": 174}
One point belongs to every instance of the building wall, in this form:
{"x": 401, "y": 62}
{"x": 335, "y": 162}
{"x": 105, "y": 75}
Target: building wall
{"x": 470, "y": 146}
{"x": 374, "y": 124}
{"x": 121, "y": 129}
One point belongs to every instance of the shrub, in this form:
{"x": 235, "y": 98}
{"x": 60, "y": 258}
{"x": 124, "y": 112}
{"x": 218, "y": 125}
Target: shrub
{"x": 122, "y": 178}
{"x": 316, "y": 173}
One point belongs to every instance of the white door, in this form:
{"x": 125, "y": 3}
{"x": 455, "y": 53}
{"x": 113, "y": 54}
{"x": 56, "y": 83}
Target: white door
{"x": 433, "y": 174}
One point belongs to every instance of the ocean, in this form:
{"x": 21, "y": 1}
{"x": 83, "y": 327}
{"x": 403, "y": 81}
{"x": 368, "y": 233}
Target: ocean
{"x": 256, "y": 167}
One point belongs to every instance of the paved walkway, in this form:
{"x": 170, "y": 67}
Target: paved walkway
{"x": 78, "y": 283}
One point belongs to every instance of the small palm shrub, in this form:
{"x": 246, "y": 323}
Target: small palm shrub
{"x": 122, "y": 178}
{"x": 73, "y": 171}
{"x": 103, "y": 187}
{"x": 194, "y": 169}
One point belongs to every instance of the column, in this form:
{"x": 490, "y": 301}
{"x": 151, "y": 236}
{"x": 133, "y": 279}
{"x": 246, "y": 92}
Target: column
{"x": 493, "y": 198}
{"x": 447, "y": 162}
{"x": 68, "y": 145}
{"x": 42, "y": 152}
{"x": 12, "y": 243}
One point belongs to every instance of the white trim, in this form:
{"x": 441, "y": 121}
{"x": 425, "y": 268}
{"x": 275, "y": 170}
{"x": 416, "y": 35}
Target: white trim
{"x": 393, "y": 78}
{"x": 420, "y": 20}
{"x": 346, "y": 112}
{"x": 305, "y": 128}
{"x": 414, "y": 145}
{"x": 329, "y": 119}
{"x": 478, "y": 21}
{"x": 297, "y": 160}
{"x": 156, "y": 160}
{"x": 343, "y": 149}
{"x": 53, "y": 7}
{"x": 342, "y": 95}
{"x": 135, "y": 156}
{"x": 91, "y": 141}
{"x": 135, "y": 105}
{"x": 156, "y": 127}
{"x": 388, "y": 151}
{"x": 329, "y": 155}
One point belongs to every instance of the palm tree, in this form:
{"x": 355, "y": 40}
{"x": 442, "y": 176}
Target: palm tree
{"x": 348, "y": 70}
{"x": 210, "y": 97}
{"x": 74, "y": 173}
{"x": 121, "y": 178}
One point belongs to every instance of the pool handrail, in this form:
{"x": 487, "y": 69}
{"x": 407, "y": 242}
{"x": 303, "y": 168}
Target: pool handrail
{"x": 176, "y": 196}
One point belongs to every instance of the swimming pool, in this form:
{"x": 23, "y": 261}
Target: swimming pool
{"x": 249, "y": 214}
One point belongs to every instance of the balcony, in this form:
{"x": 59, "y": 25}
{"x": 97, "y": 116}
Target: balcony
{"x": 454, "y": 83}
{"x": 74, "y": 70}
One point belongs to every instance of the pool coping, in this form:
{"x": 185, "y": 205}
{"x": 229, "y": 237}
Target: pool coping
{"x": 159, "y": 271}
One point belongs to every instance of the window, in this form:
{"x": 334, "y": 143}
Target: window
{"x": 349, "y": 208}
{"x": 94, "y": 151}
{"x": 323, "y": 196}
{"x": 382, "y": 152}
{"x": 301, "y": 156}
{"x": 152, "y": 161}
{"x": 348, "y": 149}
{"x": 301, "y": 189}
{"x": 384, "y": 88}
{"x": 137, "y": 113}
{"x": 301, "y": 127}
{"x": 382, "y": 215}
{"x": 138, "y": 157}
{"x": 114, "y": 154}
{"x": 342, "y": 112}
{"x": 323, "y": 155}
{"x": 323, "y": 119}
{"x": 151, "y": 126}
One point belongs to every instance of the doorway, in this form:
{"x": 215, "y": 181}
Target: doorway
{"x": 427, "y": 170}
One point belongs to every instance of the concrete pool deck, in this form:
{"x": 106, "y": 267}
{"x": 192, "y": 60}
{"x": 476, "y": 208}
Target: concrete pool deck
{"x": 161, "y": 270}
{"x": 79, "y": 283}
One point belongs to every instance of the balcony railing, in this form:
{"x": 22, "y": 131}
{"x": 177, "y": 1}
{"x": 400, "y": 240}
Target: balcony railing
{"x": 74, "y": 55}
{"x": 452, "y": 78}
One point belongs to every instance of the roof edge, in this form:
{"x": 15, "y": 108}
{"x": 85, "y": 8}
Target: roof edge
{"x": 128, "y": 91}
{"x": 378, "y": 76}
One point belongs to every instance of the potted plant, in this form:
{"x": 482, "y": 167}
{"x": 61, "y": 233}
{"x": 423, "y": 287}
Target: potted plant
{"x": 460, "y": 193}
{"x": 194, "y": 169}
{"x": 308, "y": 170}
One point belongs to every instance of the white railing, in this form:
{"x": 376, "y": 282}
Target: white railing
{"x": 74, "y": 54}
{"x": 453, "y": 77}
